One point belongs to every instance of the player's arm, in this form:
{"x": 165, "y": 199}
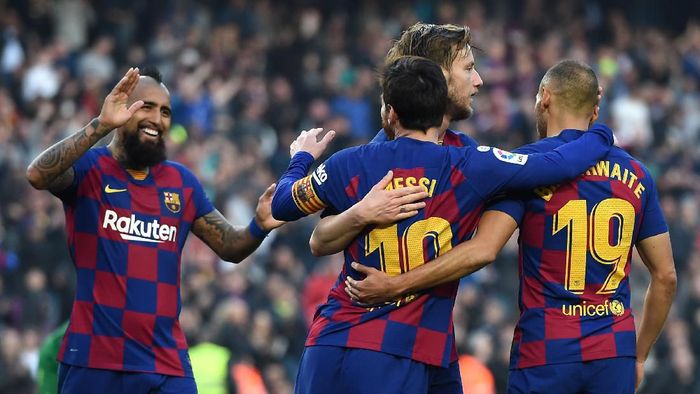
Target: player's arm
{"x": 52, "y": 169}
{"x": 495, "y": 170}
{"x": 654, "y": 247}
{"x": 494, "y": 230}
{"x": 380, "y": 206}
{"x": 566, "y": 161}
{"x": 295, "y": 196}
{"x": 235, "y": 243}
{"x": 657, "y": 256}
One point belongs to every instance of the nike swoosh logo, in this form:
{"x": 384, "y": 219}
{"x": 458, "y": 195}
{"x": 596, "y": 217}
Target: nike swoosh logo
{"x": 110, "y": 190}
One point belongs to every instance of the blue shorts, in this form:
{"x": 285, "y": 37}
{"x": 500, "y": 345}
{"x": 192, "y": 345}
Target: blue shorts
{"x": 73, "y": 379}
{"x": 338, "y": 370}
{"x": 610, "y": 375}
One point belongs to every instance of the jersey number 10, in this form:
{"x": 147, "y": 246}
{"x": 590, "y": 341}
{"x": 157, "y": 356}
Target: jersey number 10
{"x": 593, "y": 233}
{"x": 410, "y": 249}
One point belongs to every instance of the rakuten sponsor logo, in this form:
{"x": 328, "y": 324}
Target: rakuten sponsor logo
{"x": 132, "y": 229}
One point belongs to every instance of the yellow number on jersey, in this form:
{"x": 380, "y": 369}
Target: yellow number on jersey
{"x": 574, "y": 217}
{"x": 386, "y": 241}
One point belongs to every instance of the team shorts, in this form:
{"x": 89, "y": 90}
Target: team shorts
{"x": 73, "y": 379}
{"x": 338, "y": 370}
{"x": 610, "y": 375}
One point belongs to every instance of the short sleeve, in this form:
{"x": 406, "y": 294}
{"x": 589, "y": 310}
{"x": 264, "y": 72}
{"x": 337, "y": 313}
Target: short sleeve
{"x": 653, "y": 221}
{"x": 80, "y": 170}
{"x": 510, "y": 205}
{"x": 201, "y": 201}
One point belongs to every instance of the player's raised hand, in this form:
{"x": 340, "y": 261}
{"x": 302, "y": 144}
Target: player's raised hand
{"x": 375, "y": 288}
{"x": 381, "y": 206}
{"x": 263, "y": 212}
{"x": 308, "y": 141}
{"x": 115, "y": 111}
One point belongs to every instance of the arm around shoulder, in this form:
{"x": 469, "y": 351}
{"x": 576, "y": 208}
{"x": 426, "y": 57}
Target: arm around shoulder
{"x": 563, "y": 163}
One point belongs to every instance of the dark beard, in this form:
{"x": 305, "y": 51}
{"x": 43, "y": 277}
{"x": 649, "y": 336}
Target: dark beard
{"x": 143, "y": 154}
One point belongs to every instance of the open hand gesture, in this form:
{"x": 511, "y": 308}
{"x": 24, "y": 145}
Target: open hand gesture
{"x": 115, "y": 111}
{"x": 308, "y": 141}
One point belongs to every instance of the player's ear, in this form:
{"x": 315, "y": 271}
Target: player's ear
{"x": 596, "y": 113}
{"x": 391, "y": 116}
{"x": 546, "y": 97}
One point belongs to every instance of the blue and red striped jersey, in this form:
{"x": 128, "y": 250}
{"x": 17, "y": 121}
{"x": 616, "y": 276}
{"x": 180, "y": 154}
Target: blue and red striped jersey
{"x": 576, "y": 242}
{"x": 458, "y": 181}
{"x": 126, "y": 237}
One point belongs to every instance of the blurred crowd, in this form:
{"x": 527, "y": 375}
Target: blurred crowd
{"x": 245, "y": 76}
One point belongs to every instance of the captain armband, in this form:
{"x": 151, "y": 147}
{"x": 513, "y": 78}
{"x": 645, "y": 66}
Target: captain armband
{"x": 305, "y": 196}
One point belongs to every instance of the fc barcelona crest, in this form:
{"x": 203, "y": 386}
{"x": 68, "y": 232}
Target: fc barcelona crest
{"x": 172, "y": 201}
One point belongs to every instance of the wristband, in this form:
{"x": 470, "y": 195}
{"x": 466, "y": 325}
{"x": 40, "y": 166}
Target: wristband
{"x": 256, "y": 231}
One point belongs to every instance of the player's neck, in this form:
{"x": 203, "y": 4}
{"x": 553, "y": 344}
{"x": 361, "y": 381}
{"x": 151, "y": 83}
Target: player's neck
{"x": 443, "y": 127}
{"x": 556, "y": 125}
{"x": 433, "y": 134}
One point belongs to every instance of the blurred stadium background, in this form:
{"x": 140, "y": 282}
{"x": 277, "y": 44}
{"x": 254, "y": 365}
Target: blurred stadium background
{"x": 247, "y": 75}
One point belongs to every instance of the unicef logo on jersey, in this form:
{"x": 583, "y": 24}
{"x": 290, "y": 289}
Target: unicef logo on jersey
{"x": 607, "y": 308}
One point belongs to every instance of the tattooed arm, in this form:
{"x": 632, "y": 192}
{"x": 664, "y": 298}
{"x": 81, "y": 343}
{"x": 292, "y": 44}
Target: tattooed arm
{"x": 235, "y": 243}
{"x": 52, "y": 169}
{"x": 230, "y": 243}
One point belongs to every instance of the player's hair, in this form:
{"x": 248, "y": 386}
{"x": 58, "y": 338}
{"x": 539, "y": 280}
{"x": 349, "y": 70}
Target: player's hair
{"x": 416, "y": 89}
{"x": 439, "y": 43}
{"x": 575, "y": 84}
{"x": 152, "y": 72}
